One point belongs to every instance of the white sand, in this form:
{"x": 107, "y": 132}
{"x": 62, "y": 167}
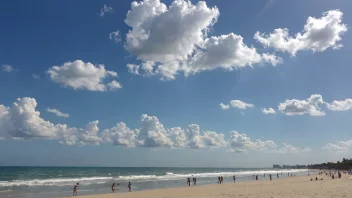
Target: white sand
{"x": 282, "y": 188}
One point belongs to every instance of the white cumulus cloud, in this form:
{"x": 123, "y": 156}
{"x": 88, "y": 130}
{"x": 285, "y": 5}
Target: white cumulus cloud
{"x": 224, "y": 107}
{"x": 287, "y": 148}
{"x": 174, "y": 39}
{"x": 240, "y": 104}
{"x": 342, "y": 146}
{"x": 58, "y": 112}
{"x": 22, "y": 121}
{"x": 81, "y": 75}
{"x": 227, "y": 52}
{"x": 318, "y": 35}
{"x": 343, "y": 105}
{"x": 240, "y": 142}
{"x": 310, "y": 106}
{"x": 268, "y": 110}
{"x": 121, "y": 135}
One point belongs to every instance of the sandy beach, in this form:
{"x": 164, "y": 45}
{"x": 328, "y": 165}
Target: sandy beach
{"x": 281, "y": 188}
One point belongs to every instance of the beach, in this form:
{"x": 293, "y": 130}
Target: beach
{"x": 44, "y": 182}
{"x": 299, "y": 186}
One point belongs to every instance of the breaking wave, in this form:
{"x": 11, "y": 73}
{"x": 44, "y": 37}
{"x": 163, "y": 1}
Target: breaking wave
{"x": 165, "y": 176}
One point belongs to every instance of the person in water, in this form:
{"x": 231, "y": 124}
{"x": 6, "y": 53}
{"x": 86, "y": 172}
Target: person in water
{"x": 234, "y": 178}
{"x": 129, "y": 187}
{"x": 75, "y": 190}
{"x": 113, "y": 187}
{"x": 189, "y": 181}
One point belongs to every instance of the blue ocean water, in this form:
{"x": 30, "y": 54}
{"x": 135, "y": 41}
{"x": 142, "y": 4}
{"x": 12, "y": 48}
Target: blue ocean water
{"x": 43, "y": 182}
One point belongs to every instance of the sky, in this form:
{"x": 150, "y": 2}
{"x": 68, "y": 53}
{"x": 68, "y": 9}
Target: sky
{"x": 175, "y": 83}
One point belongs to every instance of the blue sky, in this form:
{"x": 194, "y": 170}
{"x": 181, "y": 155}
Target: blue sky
{"x": 62, "y": 66}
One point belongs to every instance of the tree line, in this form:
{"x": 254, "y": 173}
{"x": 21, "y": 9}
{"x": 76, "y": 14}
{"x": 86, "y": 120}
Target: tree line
{"x": 345, "y": 164}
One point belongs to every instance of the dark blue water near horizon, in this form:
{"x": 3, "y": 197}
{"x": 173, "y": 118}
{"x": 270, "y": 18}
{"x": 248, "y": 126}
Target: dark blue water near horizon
{"x": 44, "y": 182}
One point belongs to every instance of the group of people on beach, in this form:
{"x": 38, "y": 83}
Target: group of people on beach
{"x": 332, "y": 174}
{"x": 194, "y": 179}
{"x": 220, "y": 180}
{"x": 114, "y": 186}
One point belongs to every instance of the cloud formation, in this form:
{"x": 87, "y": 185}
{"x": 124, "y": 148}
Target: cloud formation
{"x": 318, "y": 35}
{"x": 81, "y": 75}
{"x": 174, "y": 39}
{"x": 58, "y": 112}
{"x": 343, "y": 105}
{"x": 224, "y": 107}
{"x": 342, "y": 146}
{"x": 238, "y": 104}
{"x": 105, "y": 9}
{"x": 310, "y": 106}
{"x": 8, "y": 68}
{"x": 22, "y": 121}
{"x": 268, "y": 110}
{"x": 115, "y": 36}
{"x": 287, "y": 148}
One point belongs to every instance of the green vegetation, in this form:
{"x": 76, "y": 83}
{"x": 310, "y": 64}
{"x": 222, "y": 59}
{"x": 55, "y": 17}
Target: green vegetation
{"x": 345, "y": 164}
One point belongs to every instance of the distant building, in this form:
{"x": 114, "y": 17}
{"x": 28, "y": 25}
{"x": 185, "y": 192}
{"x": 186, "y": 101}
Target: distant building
{"x": 277, "y": 166}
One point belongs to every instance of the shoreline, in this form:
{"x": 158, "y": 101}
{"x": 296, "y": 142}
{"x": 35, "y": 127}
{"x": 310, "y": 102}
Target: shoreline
{"x": 299, "y": 186}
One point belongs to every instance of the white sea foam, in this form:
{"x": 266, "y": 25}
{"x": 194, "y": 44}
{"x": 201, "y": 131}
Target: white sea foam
{"x": 166, "y": 176}
{"x": 52, "y": 182}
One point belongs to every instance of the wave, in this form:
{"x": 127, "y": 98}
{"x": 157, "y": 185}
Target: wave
{"x": 51, "y": 182}
{"x": 165, "y": 176}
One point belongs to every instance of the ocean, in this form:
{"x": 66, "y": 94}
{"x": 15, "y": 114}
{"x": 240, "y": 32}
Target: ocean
{"x": 44, "y": 182}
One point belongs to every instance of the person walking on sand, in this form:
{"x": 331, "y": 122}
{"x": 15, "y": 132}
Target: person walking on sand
{"x": 113, "y": 187}
{"x": 75, "y": 190}
{"x": 129, "y": 187}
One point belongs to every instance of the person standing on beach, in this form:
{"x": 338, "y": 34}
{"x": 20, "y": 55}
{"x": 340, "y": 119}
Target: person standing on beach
{"x": 270, "y": 177}
{"x": 75, "y": 190}
{"x": 195, "y": 181}
{"x": 278, "y": 175}
{"x": 264, "y": 175}
{"x": 129, "y": 187}
{"x": 222, "y": 179}
{"x": 189, "y": 181}
{"x": 219, "y": 181}
{"x": 234, "y": 179}
{"x": 113, "y": 187}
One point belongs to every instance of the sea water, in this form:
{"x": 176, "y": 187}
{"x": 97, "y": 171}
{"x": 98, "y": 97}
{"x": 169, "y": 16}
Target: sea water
{"x": 43, "y": 182}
